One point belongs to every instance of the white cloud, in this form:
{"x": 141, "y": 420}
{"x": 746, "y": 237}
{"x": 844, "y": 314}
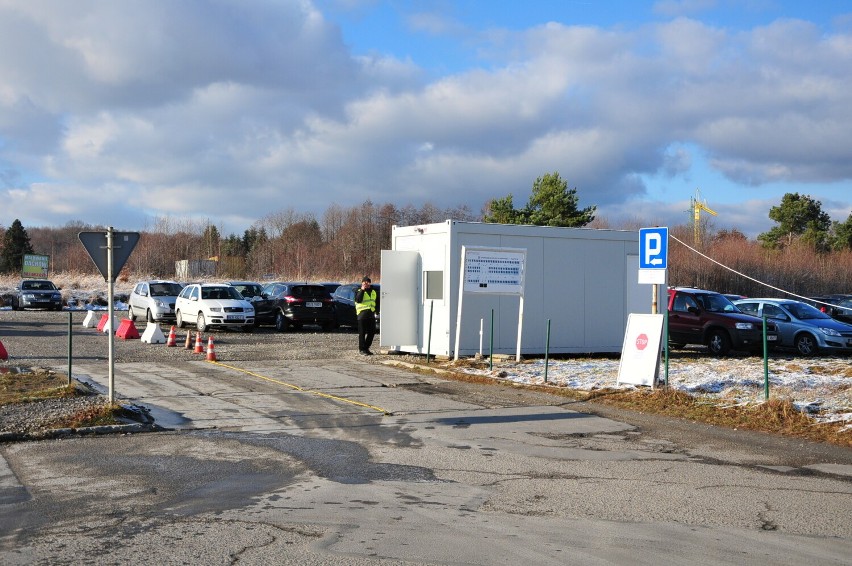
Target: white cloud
{"x": 226, "y": 110}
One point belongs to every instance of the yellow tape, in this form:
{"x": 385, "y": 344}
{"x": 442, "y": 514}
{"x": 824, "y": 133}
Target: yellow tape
{"x": 297, "y": 388}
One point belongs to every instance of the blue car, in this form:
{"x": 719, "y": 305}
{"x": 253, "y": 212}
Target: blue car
{"x": 802, "y": 326}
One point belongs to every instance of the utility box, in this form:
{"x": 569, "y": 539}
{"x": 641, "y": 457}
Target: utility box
{"x": 584, "y": 281}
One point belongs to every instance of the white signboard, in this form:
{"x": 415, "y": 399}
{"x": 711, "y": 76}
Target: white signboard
{"x": 494, "y": 271}
{"x": 640, "y": 353}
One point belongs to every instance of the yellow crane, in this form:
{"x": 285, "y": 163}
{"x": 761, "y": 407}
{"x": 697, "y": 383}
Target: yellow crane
{"x": 697, "y": 206}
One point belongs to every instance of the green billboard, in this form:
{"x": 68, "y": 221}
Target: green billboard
{"x": 35, "y": 265}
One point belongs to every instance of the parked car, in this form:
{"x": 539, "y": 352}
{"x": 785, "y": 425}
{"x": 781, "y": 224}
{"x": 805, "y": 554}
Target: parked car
{"x": 842, "y": 310}
{"x": 213, "y": 304}
{"x": 153, "y": 300}
{"x": 802, "y": 326}
{"x": 344, "y": 304}
{"x": 264, "y": 307}
{"x": 297, "y": 304}
{"x": 704, "y": 317}
{"x": 835, "y": 306}
{"x": 36, "y": 294}
{"x": 331, "y": 286}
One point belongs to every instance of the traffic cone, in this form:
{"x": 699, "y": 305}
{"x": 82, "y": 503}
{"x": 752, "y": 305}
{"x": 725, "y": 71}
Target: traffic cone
{"x": 199, "y": 347}
{"x": 211, "y": 355}
{"x": 172, "y": 341}
{"x": 188, "y": 345}
{"x": 4, "y": 355}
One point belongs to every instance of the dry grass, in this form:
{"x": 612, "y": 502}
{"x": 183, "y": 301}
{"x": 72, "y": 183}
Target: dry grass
{"x": 39, "y": 384}
{"x": 775, "y": 416}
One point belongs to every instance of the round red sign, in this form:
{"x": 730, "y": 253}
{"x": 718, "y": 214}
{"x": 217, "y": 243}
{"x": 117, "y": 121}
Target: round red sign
{"x": 641, "y": 341}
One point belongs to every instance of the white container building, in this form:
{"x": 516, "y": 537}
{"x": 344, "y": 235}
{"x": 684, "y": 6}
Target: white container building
{"x": 584, "y": 281}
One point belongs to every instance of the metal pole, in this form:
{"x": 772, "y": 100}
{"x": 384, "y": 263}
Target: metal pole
{"x": 481, "y": 323}
{"x": 111, "y": 306}
{"x": 666, "y": 343}
{"x": 546, "y": 350}
{"x": 765, "y": 362}
{"x": 70, "y": 334}
{"x": 429, "y": 339}
{"x": 491, "y": 344}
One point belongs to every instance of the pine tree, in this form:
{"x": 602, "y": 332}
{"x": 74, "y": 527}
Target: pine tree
{"x": 16, "y": 243}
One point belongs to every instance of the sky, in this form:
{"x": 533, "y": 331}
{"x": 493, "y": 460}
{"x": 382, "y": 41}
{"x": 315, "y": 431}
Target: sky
{"x": 135, "y": 113}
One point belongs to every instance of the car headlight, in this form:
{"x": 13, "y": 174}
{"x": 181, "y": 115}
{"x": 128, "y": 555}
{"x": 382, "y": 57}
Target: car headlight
{"x": 161, "y": 304}
{"x": 829, "y": 331}
{"x": 745, "y": 326}
{"x": 215, "y": 309}
{"x": 250, "y": 310}
{"x": 57, "y": 296}
{"x": 29, "y": 296}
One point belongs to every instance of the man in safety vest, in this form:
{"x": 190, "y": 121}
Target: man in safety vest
{"x": 366, "y": 306}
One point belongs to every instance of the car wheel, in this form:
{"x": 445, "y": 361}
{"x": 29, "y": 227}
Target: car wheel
{"x": 718, "y": 343}
{"x": 150, "y": 316}
{"x": 130, "y": 314}
{"x": 806, "y": 344}
{"x": 201, "y": 324}
{"x": 179, "y": 319}
{"x": 281, "y": 322}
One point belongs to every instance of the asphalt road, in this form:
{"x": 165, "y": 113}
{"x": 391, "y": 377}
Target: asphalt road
{"x": 291, "y": 449}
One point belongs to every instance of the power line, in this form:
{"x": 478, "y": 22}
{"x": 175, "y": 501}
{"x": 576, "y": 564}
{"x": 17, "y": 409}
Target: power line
{"x": 732, "y": 270}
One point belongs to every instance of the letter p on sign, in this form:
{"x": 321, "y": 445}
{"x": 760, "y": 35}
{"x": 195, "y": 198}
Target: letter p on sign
{"x": 653, "y": 248}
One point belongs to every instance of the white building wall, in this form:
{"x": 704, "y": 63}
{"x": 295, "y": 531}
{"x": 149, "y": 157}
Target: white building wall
{"x": 577, "y": 278}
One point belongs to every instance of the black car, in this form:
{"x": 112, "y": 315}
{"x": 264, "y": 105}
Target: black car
{"x": 344, "y": 304}
{"x": 36, "y": 294}
{"x": 265, "y": 308}
{"x": 296, "y": 304}
{"x": 835, "y": 306}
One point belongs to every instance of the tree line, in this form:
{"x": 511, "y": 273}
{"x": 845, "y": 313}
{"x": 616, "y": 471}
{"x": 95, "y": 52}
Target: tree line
{"x": 805, "y": 252}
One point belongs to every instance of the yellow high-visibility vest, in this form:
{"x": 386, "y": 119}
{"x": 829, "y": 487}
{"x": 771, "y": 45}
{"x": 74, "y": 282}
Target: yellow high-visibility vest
{"x": 368, "y": 302}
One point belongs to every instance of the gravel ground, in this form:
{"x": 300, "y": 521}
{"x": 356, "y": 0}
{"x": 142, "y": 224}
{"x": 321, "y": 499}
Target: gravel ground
{"x": 39, "y": 339}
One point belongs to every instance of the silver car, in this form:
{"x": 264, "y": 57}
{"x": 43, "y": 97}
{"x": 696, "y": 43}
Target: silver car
{"x": 153, "y": 300}
{"x": 801, "y": 326}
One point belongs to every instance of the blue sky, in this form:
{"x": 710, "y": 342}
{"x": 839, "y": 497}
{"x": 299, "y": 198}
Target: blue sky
{"x": 242, "y": 113}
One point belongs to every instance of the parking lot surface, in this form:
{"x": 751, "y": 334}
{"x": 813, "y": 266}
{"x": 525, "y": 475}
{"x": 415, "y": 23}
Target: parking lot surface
{"x": 292, "y": 449}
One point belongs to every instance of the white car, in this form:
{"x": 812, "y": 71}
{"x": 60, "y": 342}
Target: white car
{"x": 213, "y": 304}
{"x": 153, "y": 300}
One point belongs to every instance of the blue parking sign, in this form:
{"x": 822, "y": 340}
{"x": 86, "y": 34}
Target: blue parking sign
{"x": 653, "y": 248}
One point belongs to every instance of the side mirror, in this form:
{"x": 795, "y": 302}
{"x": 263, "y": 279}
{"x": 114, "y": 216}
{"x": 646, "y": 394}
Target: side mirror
{"x": 693, "y": 310}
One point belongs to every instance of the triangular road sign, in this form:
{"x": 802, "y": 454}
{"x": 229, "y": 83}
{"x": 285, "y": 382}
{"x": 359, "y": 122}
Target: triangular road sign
{"x": 96, "y": 244}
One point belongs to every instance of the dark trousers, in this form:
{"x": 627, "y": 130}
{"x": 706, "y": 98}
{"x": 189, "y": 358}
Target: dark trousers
{"x": 366, "y": 330}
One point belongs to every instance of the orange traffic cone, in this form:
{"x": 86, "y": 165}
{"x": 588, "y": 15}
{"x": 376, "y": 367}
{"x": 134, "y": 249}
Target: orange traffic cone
{"x": 188, "y": 345}
{"x": 172, "y": 341}
{"x": 199, "y": 347}
{"x": 211, "y": 355}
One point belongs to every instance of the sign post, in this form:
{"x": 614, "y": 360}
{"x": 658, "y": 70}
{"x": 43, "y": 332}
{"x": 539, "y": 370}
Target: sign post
{"x": 110, "y": 250}
{"x": 653, "y": 270}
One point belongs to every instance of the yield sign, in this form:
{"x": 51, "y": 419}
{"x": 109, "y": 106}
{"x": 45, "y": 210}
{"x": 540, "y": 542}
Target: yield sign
{"x": 98, "y": 246}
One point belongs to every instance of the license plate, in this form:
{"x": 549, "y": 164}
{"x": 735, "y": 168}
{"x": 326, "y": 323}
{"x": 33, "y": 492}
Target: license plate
{"x": 771, "y": 338}
{"x": 234, "y": 317}
{"x": 313, "y": 305}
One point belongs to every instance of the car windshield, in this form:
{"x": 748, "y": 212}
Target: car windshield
{"x": 165, "y": 289}
{"x": 716, "y": 303}
{"x": 803, "y": 311}
{"x": 38, "y": 286}
{"x": 249, "y": 290}
{"x": 220, "y": 293}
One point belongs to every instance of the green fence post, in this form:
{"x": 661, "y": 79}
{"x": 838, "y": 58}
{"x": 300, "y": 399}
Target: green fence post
{"x": 70, "y": 333}
{"x": 546, "y": 350}
{"x": 491, "y": 344}
{"x": 765, "y": 362}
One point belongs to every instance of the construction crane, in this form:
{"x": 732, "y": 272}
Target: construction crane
{"x": 696, "y": 206}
